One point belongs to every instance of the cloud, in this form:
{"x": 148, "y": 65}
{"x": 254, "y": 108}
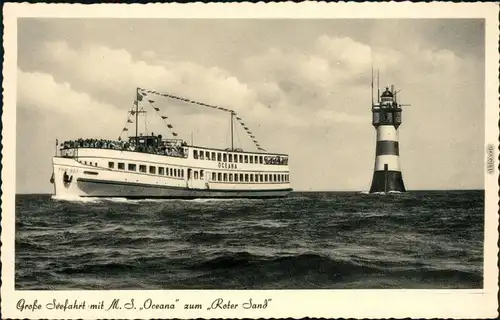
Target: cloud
{"x": 96, "y": 68}
{"x": 148, "y": 54}
{"x": 42, "y": 92}
{"x": 335, "y": 117}
{"x": 296, "y": 79}
{"x": 345, "y": 53}
{"x": 326, "y": 83}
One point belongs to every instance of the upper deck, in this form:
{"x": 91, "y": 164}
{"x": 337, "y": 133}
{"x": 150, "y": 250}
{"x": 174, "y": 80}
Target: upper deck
{"x": 175, "y": 150}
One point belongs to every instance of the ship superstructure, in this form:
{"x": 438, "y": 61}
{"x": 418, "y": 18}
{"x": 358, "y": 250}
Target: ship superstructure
{"x": 150, "y": 166}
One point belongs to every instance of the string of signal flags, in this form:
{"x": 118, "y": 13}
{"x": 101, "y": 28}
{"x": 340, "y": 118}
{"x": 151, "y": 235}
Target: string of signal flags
{"x": 144, "y": 94}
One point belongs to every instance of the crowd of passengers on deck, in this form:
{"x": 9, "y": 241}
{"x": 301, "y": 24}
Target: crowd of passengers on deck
{"x": 276, "y": 160}
{"x": 168, "y": 150}
{"x": 173, "y": 151}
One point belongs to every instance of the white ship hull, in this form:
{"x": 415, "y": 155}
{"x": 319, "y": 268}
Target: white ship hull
{"x": 88, "y": 175}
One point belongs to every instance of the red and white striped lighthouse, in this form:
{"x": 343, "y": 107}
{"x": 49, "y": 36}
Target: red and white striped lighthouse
{"x": 386, "y": 120}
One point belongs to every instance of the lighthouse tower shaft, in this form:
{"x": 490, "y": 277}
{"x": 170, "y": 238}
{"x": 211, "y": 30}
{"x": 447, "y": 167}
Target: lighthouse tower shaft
{"x": 386, "y": 120}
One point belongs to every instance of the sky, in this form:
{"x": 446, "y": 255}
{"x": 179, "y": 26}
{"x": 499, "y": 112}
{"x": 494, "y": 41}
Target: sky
{"x": 301, "y": 86}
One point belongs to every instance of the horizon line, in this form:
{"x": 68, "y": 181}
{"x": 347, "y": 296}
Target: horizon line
{"x": 311, "y": 191}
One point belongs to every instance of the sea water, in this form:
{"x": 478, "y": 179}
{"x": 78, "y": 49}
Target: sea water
{"x": 420, "y": 239}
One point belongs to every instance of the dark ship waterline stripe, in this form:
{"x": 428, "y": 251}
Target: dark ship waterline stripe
{"x": 197, "y": 196}
{"x": 145, "y": 185}
{"x": 385, "y": 147}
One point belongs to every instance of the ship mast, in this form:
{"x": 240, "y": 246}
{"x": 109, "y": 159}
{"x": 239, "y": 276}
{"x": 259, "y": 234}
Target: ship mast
{"x": 232, "y": 144}
{"x": 136, "y": 116}
{"x": 138, "y": 97}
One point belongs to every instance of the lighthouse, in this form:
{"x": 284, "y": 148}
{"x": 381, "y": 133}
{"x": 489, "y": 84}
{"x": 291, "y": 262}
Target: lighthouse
{"x": 386, "y": 120}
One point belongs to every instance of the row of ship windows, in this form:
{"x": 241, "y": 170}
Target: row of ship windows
{"x": 172, "y": 172}
{"x": 200, "y": 175}
{"x": 225, "y": 157}
{"x": 249, "y": 177}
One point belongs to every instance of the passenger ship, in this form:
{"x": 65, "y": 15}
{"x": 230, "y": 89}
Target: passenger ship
{"x": 148, "y": 166}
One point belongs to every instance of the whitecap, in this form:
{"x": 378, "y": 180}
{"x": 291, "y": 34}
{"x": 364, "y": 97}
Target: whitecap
{"x": 76, "y": 199}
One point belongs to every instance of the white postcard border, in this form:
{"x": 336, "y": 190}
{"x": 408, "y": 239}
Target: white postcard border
{"x": 481, "y": 303}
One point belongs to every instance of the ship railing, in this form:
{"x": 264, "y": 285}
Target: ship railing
{"x": 276, "y": 160}
{"x": 70, "y": 148}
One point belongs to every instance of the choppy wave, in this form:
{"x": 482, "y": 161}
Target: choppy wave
{"x": 308, "y": 240}
{"x": 382, "y": 193}
{"x": 395, "y": 192}
{"x": 245, "y": 270}
{"x": 76, "y": 199}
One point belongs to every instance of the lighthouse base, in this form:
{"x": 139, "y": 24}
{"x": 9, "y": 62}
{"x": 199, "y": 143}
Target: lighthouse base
{"x": 385, "y": 181}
